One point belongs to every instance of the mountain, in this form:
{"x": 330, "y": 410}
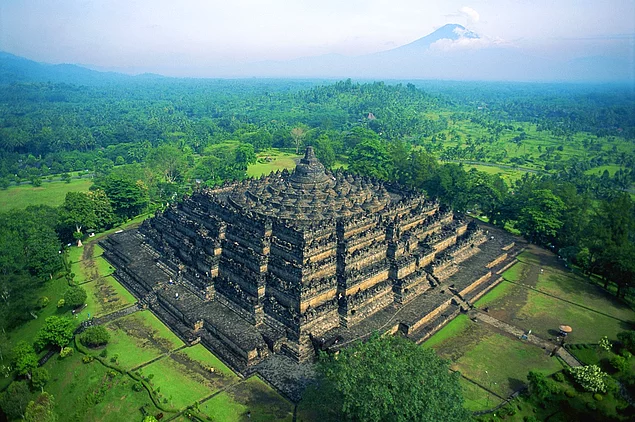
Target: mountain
{"x": 452, "y": 52}
{"x": 451, "y": 31}
{"x": 19, "y": 69}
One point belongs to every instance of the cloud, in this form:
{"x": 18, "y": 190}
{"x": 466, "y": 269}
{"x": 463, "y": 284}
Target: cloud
{"x": 466, "y": 43}
{"x": 471, "y": 14}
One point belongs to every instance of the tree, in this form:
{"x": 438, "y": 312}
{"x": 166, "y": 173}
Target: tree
{"x": 95, "y": 336}
{"x": 75, "y": 297}
{"x": 298, "y": 133}
{"x": 86, "y": 210}
{"x": 24, "y": 358}
{"x": 40, "y": 378}
{"x": 370, "y": 158}
{"x": 541, "y": 386}
{"x": 169, "y": 161}
{"x": 245, "y": 154}
{"x": 56, "y": 332}
{"x": 41, "y": 409}
{"x": 627, "y": 338}
{"x": 14, "y": 400}
{"x": 128, "y": 195}
{"x": 541, "y": 218}
{"x": 387, "y": 378}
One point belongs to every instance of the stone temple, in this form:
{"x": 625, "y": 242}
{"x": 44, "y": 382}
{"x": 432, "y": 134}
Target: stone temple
{"x": 295, "y": 262}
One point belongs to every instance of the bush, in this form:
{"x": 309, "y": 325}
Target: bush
{"x": 570, "y": 393}
{"x": 620, "y": 363}
{"x": 627, "y": 338}
{"x": 104, "y": 353}
{"x": 75, "y": 297}
{"x": 42, "y": 302}
{"x": 591, "y": 405}
{"x": 137, "y": 386}
{"x": 590, "y": 377}
{"x": 66, "y": 351}
{"x": 60, "y": 303}
{"x": 626, "y": 354}
{"x": 87, "y": 359}
{"x": 558, "y": 376}
{"x": 114, "y": 358}
{"x": 598, "y": 397}
{"x": 95, "y": 336}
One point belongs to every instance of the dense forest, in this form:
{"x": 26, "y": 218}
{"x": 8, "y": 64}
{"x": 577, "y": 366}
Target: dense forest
{"x": 145, "y": 143}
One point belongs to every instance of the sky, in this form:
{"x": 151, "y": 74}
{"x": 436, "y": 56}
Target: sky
{"x": 182, "y": 38}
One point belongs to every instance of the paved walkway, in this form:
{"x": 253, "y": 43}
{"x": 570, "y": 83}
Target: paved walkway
{"x": 537, "y": 341}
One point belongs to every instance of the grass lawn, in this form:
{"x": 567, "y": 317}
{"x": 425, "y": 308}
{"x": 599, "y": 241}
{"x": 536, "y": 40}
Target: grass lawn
{"x": 75, "y": 254}
{"x": 578, "y": 290}
{"x": 86, "y": 392}
{"x": 493, "y": 360}
{"x": 543, "y": 314}
{"x": 254, "y": 396}
{"x": 517, "y": 272}
{"x": 457, "y": 325}
{"x": 499, "y": 291}
{"x": 200, "y": 354}
{"x": 91, "y": 269}
{"x": 139, "y": 338}
{"x": 477, "y": 398}
{"x": 106, "y": 295}
{"x": 185, "y": 376}
{"x": 50, "y": 193}
{"x": 282, "y": 160}
{"x": 176, "y": 383}
{"x": 501, "y": 363}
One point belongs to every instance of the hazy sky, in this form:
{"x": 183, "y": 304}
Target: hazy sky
{"x": 179, "y": 37}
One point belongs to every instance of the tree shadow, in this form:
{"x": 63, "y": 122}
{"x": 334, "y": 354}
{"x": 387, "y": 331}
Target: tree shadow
{"x": 515, "y": 384}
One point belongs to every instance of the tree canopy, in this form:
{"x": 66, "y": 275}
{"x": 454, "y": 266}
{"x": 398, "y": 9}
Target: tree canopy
{"x": 387, "y": 378}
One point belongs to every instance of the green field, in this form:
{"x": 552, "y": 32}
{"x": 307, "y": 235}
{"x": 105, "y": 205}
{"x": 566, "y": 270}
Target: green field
{"x": 272, "y": 161}
{"x": 176, "y": 383}
{"x": 495, "y": 361}
{"x": 139, "y": 338}
{"x": 254, "y": 396}
{"x": 50, "y": 193}
{"x": 91, "y": 392}
{"x": 106, "y": 295}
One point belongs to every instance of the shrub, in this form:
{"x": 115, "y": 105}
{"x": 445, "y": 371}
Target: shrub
{"x": 626, "y": 354}
{"x": 590, "y": 378}
{"x": 66, "y": 351}
{"x": 558, "y": 376}
{"x": 104, "y": 353}
{"x": 591, "y": 405}
{"x": 87, "y": 359}
{"x": 114, "y": 358}
{"x": 627, "y": 338}
{"x": 74, "y": 297}
{"x": 60, "y": 303}
{"x": 95, "y": 336}
{"x": 605, "y": 344}
{"x": 620, "y": 363}
{"x": 598, "y": 397}
{"x": 42, "y": 302}
{"x": 570, "y": 393}
{"x": 137, "y": 386}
